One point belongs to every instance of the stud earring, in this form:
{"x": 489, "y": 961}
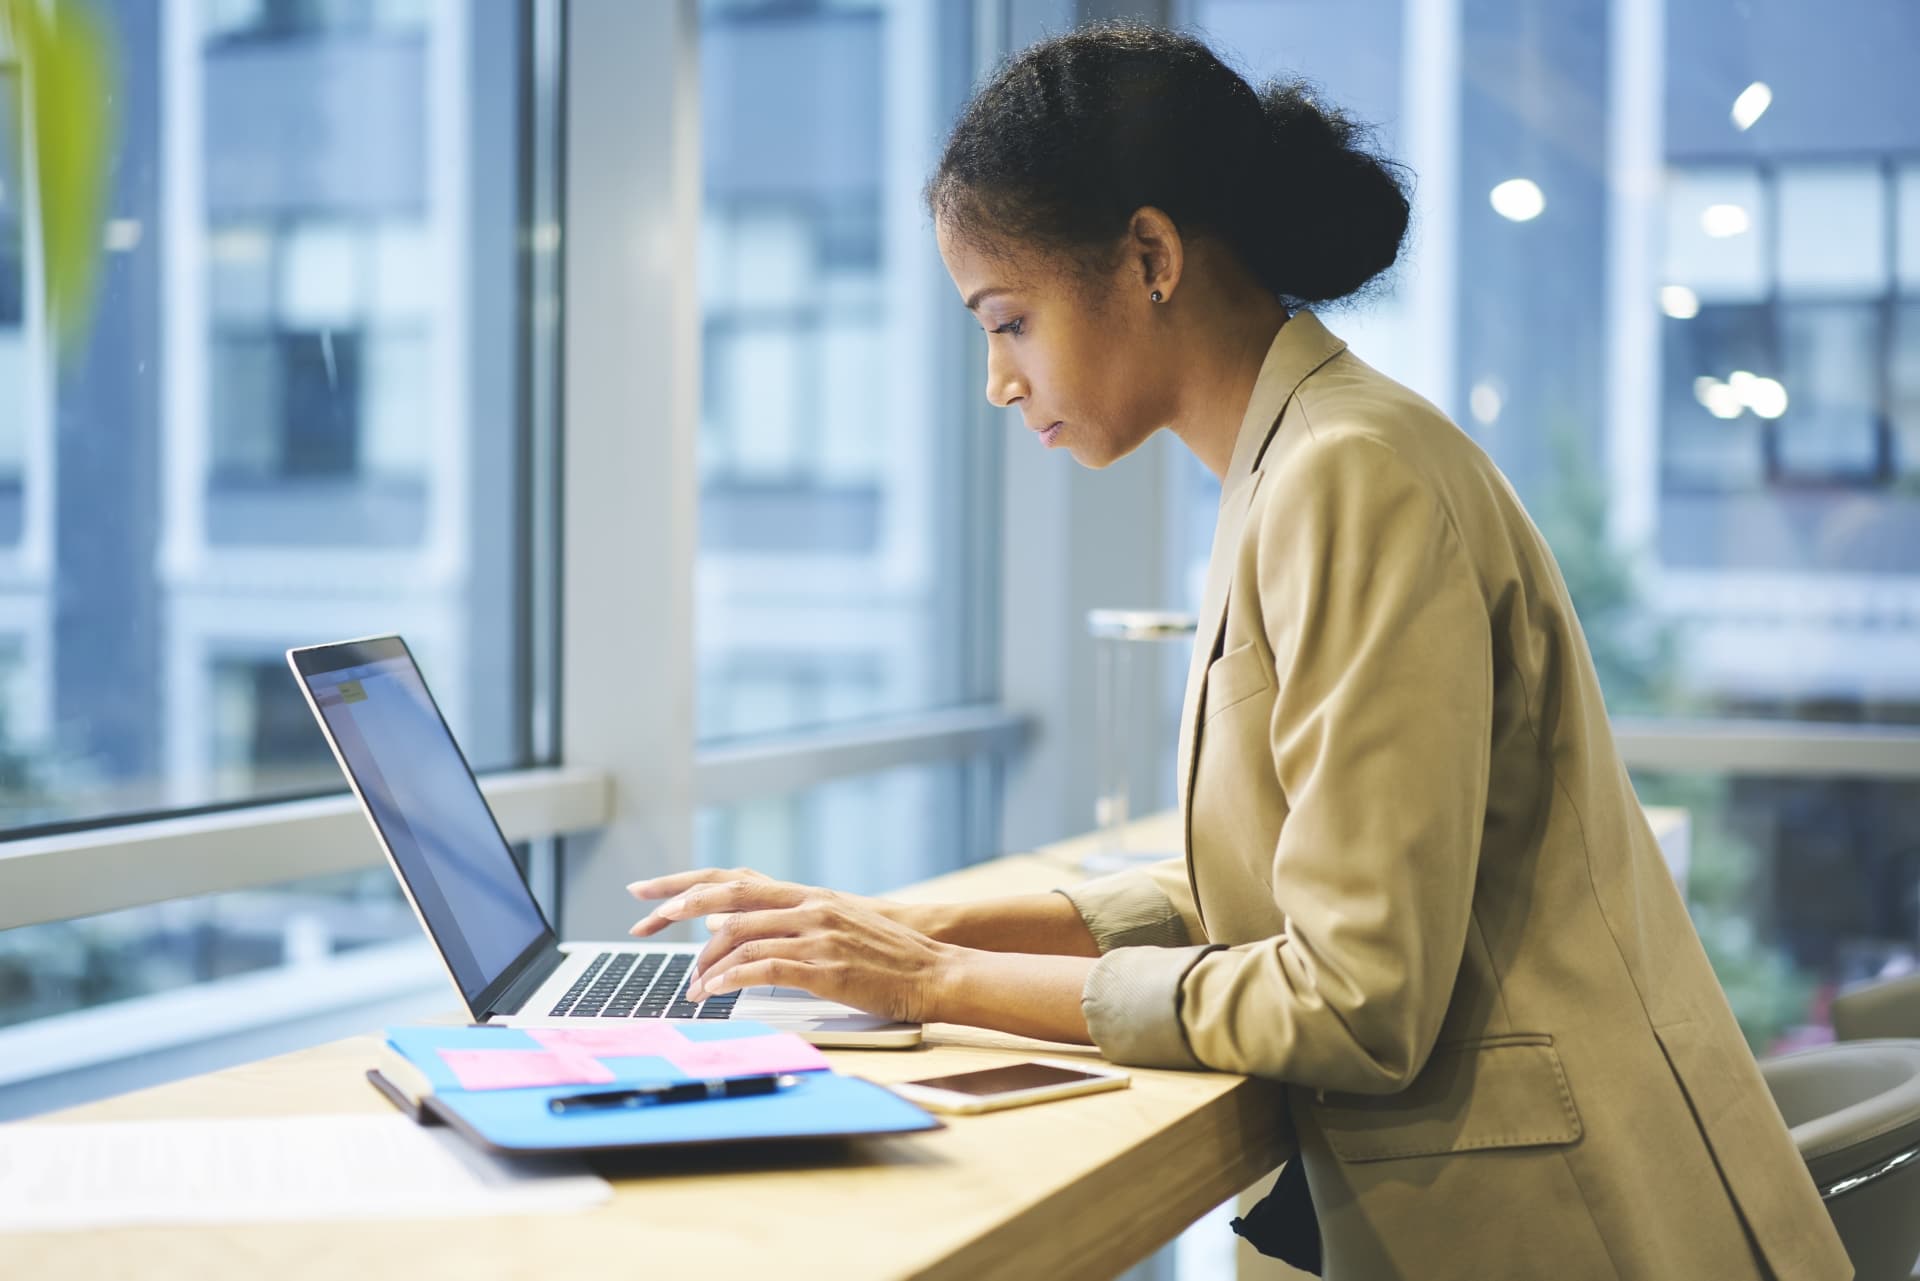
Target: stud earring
{"x": 1155, "y": 295}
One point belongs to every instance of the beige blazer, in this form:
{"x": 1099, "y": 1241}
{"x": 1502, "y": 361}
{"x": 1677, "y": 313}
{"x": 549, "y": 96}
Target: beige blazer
{"x": 1418, "y": 887}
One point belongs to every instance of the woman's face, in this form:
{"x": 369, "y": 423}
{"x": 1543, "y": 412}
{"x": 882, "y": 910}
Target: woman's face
{"x": 1068, "y": 351}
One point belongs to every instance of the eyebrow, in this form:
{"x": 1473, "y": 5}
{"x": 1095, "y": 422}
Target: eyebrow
{"x": 981, "y": 295}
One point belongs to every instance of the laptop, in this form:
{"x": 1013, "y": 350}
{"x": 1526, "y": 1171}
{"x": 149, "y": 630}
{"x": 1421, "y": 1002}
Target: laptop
{"x": 456, "y": 869}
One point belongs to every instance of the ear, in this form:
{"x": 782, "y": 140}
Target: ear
{"x": 1156, "y": 256}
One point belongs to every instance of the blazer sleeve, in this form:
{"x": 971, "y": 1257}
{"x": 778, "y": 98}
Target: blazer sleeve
{"x": 1143, "y": 907}
{"x": 1380, "y": 737}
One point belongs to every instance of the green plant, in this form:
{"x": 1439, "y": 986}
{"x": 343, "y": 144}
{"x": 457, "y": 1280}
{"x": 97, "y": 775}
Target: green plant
{"x": 66, "y": 55}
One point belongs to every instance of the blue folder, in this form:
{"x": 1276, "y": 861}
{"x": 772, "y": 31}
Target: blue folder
{"x": 824, "y": 1105}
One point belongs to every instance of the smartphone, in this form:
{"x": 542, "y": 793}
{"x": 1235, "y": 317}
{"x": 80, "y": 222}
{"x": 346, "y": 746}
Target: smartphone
{"x": 991, "y": 1089}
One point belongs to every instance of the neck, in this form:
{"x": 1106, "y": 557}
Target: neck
{"x": 1221, "y": 367}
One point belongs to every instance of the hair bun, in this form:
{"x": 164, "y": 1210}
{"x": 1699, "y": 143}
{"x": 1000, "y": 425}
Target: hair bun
{"x": 1342, "y": 209}
{"x": 1075, "y": 134}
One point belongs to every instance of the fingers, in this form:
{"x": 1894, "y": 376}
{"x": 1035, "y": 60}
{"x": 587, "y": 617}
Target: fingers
{"x": 720, "y": 901}
{"x": 677, "y": 882}
{"x": 738, "y": 930}
{"x": 764, "y": 970}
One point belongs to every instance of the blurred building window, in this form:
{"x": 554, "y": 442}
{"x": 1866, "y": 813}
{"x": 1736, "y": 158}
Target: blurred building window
{"x": 1718, "y": 226}
{"x": 300, "y": 421}
{"x": 865, "y": 835}
{"x": 835, "y": 414}
{"x": 1833, "y": 230}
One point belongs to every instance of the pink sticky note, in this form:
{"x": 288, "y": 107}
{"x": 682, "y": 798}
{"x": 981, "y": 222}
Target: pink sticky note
{"x": 746, "y": 1055}
{"x": 623, "y": 1041}
{"x": 518, "y": 1069}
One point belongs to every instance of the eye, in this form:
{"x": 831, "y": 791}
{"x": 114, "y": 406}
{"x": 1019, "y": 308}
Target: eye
{"x": 1015, "y": 327}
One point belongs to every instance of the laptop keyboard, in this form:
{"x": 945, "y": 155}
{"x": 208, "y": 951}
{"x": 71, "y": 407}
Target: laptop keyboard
{"x": 639, "y": 985}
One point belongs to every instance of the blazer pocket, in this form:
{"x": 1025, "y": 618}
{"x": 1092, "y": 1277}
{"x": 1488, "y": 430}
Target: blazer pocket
{"x": 1234, "y": 677}
{"x": 1501, "y": 1092}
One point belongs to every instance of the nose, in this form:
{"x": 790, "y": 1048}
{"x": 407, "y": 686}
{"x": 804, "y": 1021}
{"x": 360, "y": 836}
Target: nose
{"x": 1005, "y": 387}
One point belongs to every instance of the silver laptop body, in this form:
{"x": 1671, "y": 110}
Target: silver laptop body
{"x": 458, "y": 872}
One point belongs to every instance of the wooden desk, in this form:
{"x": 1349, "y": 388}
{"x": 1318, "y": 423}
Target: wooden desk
{"x": 1079, "y": 1189}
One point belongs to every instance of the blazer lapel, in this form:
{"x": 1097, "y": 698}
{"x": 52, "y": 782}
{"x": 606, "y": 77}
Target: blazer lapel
{"x": 1302, "y": 346}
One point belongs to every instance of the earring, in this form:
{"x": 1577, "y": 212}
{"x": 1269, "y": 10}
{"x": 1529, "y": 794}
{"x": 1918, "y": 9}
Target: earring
{"x": 1155, "y": 295}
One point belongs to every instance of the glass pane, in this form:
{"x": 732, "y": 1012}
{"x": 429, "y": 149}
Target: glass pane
{"x": 1908, "y": 234}
{"x": 1905, "y": 407}
{"x": 298, "y": 417}
{"x": 836, "y": 416}
{"x": 1716, "y": 234}
{"x": 1833, "y": 231}
{"x": 1713, "y": 440}
{"x": 866, "y": 835}
{"x": 1798, "y": 886}
{"x": 1830, "y": 428}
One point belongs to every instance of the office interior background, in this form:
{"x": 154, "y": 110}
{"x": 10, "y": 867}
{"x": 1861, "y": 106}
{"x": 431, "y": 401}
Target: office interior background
{"x": 650, "y": 417}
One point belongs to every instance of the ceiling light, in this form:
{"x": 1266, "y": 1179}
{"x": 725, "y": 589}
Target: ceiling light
{"x": 1720, "y": 399}
{"x": 1722, "y": 221}
{"x": 1679, "y": 302}
{"x": 1518, "y": 199}
{"x": 1751, "y": 105}
{"x": 1485, "y": 401}
{"x": 1767, "y": 398}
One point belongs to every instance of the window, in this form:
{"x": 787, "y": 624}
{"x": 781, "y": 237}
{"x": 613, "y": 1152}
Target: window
{"x": 1783, "y": 338}
{"x": 864, "y": 835}
{"x": 303, "y": 419}
{"x": 299, "y": 421}
{"x": 1700, "y": 367}
{"x": 836, "y": 416}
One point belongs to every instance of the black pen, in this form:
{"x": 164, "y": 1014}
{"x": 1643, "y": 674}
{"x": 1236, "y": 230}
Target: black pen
{"x": 731, "y": 1087}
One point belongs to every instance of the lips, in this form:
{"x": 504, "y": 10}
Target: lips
{"x": 1048, "y": 433}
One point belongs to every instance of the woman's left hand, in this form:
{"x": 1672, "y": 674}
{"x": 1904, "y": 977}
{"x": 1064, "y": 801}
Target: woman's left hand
{"x": 778, "y": 934}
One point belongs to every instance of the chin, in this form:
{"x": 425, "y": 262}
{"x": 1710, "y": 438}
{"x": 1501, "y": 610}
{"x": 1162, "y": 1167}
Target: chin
{"x": 1100, "y": 454}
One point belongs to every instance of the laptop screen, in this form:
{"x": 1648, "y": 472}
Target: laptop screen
{"x": 424, "y": 799}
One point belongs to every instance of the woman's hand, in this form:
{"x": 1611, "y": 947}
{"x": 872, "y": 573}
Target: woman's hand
{"x": 775, "y": 933}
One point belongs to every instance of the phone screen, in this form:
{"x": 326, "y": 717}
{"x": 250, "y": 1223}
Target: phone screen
{"x": 1001, "y": 1080}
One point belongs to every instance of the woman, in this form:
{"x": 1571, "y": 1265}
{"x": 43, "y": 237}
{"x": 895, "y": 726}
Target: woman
{"x": 1418, "y": 887}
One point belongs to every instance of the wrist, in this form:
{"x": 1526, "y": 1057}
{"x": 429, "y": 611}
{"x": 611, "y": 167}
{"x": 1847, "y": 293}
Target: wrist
{"x": 934, "y": 920}
{"x": 946, "y": 998}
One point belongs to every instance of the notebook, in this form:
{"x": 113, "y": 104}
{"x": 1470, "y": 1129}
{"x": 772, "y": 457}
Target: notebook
{"x": 493, "y": 1084}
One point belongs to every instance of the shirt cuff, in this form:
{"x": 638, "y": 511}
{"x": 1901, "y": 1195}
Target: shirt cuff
{"x": 1132, "y": 1004}
{"x": 1127, "y": 910}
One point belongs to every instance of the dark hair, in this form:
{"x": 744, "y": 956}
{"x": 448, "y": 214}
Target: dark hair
{"x": 1074, "y": 134}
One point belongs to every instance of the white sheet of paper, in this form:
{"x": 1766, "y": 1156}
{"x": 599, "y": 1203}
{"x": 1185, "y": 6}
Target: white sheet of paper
{"x": 101, "y": 1174}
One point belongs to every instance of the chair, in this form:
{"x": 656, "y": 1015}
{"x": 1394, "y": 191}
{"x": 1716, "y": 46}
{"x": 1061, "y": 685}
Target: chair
{"x": 1854, "y": 1110}
{"x": 1878, "y": 1009}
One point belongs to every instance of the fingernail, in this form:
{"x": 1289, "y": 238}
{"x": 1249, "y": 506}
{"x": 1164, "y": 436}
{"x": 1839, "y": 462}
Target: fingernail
{"x": 634, "y": 887}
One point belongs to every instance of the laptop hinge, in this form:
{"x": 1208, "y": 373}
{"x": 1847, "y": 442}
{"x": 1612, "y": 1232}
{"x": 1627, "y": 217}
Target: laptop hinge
{"x": 538, "y": 970}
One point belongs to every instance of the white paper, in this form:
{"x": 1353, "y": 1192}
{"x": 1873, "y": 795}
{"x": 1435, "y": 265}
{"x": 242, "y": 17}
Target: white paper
{"x": 100, "y": 1174}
